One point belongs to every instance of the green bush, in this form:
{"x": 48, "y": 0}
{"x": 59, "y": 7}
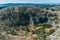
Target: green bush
{"x": 2, "y": 37}
{"x": 51, "y": 31}
{"x": 40, "y": 33}
{"x": 47, "y": 26}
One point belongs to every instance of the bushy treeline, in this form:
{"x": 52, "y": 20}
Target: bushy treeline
{"x": 25, "y": 16}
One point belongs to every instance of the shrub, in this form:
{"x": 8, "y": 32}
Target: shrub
{"x": 2, "y": 37}
{"x": 51, "y": 31}
{"x": 47, "y": 26}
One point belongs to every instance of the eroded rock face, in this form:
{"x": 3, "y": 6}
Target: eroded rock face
{"x": 21, "y": 36}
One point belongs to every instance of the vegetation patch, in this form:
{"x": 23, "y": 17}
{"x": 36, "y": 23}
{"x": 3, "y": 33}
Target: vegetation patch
{"x": 47, "y": 26}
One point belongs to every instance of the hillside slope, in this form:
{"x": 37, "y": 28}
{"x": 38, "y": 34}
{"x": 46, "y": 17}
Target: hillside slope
{"x": 27, "y": 22}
